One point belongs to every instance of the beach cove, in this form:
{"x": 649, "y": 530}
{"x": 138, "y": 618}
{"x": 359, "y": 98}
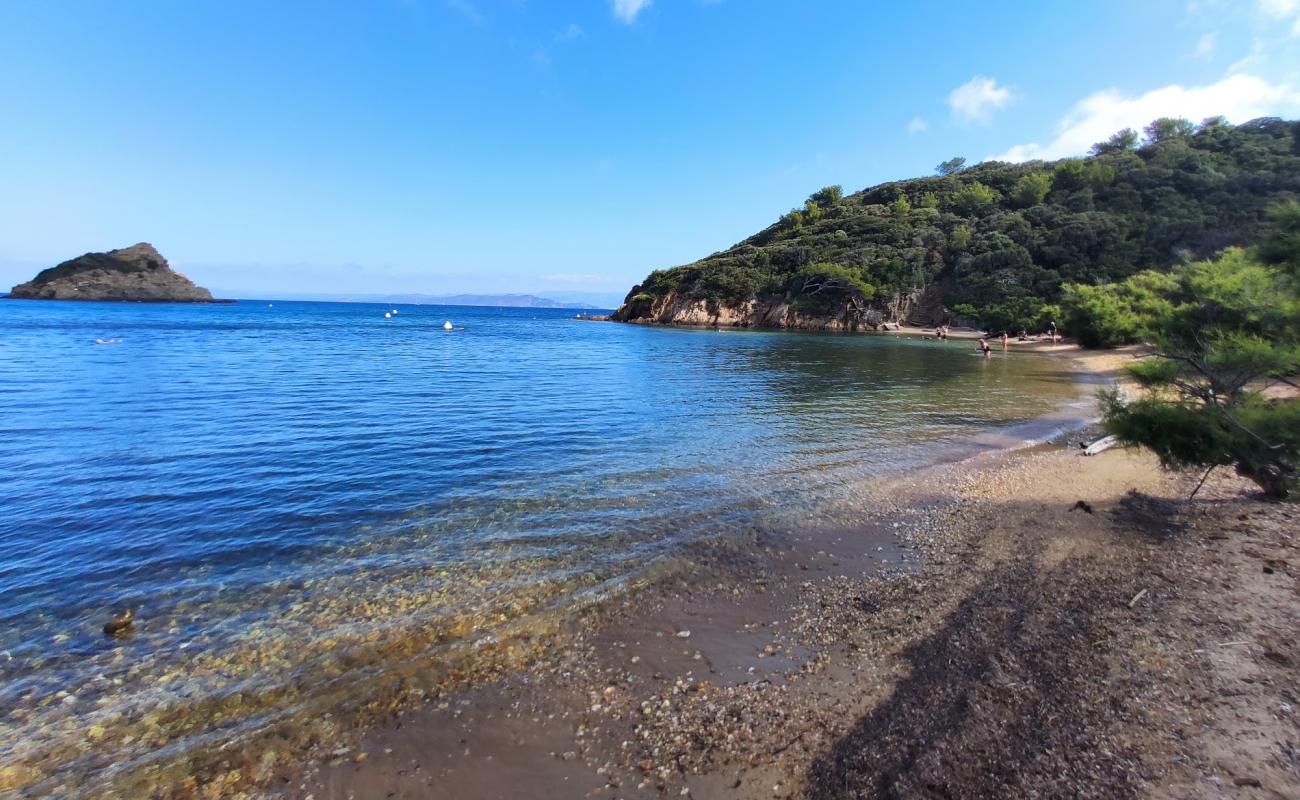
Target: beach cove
{"x": 975, "y": 636}
{"x": 640, "y": 400}
{"x": 322, "y": 513}
{"x": 851, "y": 622}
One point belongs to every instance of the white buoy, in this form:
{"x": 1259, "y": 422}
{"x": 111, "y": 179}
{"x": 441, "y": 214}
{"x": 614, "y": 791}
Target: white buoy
{"x": 446, "y": 326}
{"x": 387, "y": 315}
{"x": 394, "y": 311}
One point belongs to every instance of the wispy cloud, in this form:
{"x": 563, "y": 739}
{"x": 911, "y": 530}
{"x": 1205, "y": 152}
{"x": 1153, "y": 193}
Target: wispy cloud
{"x": 570, "y": 34}
{"x": 626, "y": 10}
{"x": 1205, "y": 46}
{"x": 977, "y": 99}
{"x": 917, "y": 125}
{"x": 1097, "y": 116}
{"x": 466, "y": 10}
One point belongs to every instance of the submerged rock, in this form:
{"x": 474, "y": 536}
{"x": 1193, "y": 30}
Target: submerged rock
{"x": 120, "y": 623}
{"x": 138, "y": 273}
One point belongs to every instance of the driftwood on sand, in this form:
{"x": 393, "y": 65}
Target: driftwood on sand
{"x": 1102, "y": 444}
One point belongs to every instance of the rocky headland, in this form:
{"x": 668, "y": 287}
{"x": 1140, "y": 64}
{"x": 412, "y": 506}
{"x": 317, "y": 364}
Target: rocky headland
{"x": 137, "y": 273}
{"x": 993, "y": 245}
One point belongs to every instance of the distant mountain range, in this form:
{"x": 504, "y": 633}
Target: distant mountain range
{"x": 508, "y": 300}
{"x": 580, "y": 300}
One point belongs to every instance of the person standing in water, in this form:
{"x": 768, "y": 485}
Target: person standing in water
{"x": 1005, "y": 337}
{"x": 984, "y": 346}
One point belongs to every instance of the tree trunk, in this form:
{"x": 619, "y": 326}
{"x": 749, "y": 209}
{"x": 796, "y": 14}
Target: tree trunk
{"x": 1270, "y": 477}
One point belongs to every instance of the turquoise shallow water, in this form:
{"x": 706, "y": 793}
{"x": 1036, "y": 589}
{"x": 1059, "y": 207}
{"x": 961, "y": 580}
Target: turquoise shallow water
{"x": 271, "y": 483}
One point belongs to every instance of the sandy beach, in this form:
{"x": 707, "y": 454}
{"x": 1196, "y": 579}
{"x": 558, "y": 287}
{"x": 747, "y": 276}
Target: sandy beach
{"x": 975, "y": 635}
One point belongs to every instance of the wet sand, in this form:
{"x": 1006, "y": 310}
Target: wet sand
{"x": 972, "y": 637}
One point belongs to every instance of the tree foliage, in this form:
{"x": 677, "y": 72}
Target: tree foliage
{"x": 973, "y": 198}
{"x": 1126, "y": 139}
{"x": 1031, "y": 189}
{"x": 1281, "y": 243}
{"x": 827, "y": 196}
{"x": 1166, "y": 128}
{"x": 1109, "y": 315}
{"x": 952, "y": 166}
{"x": 1223, "y": 331}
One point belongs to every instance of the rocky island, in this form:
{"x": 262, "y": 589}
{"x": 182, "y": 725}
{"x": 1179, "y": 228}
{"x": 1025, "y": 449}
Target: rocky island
{"x": 137, "y": 273}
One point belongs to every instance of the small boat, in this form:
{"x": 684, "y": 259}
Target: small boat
{"x": 108, "y": 341}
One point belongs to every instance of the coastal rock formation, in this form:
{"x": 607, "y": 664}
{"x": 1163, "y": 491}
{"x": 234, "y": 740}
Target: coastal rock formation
{"x": 771, "y": 312}
{"x": 775, "y": 311}
{"x": 137, "y": 273}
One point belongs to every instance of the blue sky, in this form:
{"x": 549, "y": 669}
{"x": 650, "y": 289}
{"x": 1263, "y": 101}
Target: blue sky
{"x": 518, "y": 145}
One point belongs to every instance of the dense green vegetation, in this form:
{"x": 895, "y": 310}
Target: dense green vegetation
{"x": 1000, "y": 242}
{"x": 1223, "y": 332}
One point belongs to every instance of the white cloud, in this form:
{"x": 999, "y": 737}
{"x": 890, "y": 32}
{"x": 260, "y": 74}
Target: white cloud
{"x": 1279, "y": 9}
{"x": 626, "y": 10}
{"x": 1205, "y": 46}
{"x": 977, "y": 99}
{"x": 1097, "y": 116}
{"x": 917, "y": 125}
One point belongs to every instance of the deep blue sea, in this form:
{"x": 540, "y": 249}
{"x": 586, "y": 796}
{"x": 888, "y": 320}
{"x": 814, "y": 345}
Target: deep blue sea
{"x": 285, "y": 489}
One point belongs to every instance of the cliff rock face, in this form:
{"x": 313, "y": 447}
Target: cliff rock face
{"x": 918, "y": 307}
{"x": 770, "y": 312}
{"x": 136, "y": 273}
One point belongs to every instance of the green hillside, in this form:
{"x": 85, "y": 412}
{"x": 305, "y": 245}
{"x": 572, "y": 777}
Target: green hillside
{"x": 998, "y": 241}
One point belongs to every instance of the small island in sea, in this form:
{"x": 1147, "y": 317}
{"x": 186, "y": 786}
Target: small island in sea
{"x": 138, "y": 273}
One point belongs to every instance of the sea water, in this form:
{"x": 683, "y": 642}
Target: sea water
{"x": 297, "y": 498}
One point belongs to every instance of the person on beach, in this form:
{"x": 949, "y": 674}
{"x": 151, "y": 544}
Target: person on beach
{"x": 1051, "y": 330}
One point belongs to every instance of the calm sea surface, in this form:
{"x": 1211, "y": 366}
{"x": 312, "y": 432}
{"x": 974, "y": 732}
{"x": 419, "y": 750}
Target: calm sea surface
{"x": 297, "y": 495}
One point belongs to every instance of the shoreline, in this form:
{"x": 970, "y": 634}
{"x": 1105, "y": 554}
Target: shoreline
{"x": 321, "y": 684}
{"x": 1038, "y": 345}
{"x": 818, "y": 647}
{"x": 754, "y": 661}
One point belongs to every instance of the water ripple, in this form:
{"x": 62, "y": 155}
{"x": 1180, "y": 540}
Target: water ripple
{"x": 291, "y": 490}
